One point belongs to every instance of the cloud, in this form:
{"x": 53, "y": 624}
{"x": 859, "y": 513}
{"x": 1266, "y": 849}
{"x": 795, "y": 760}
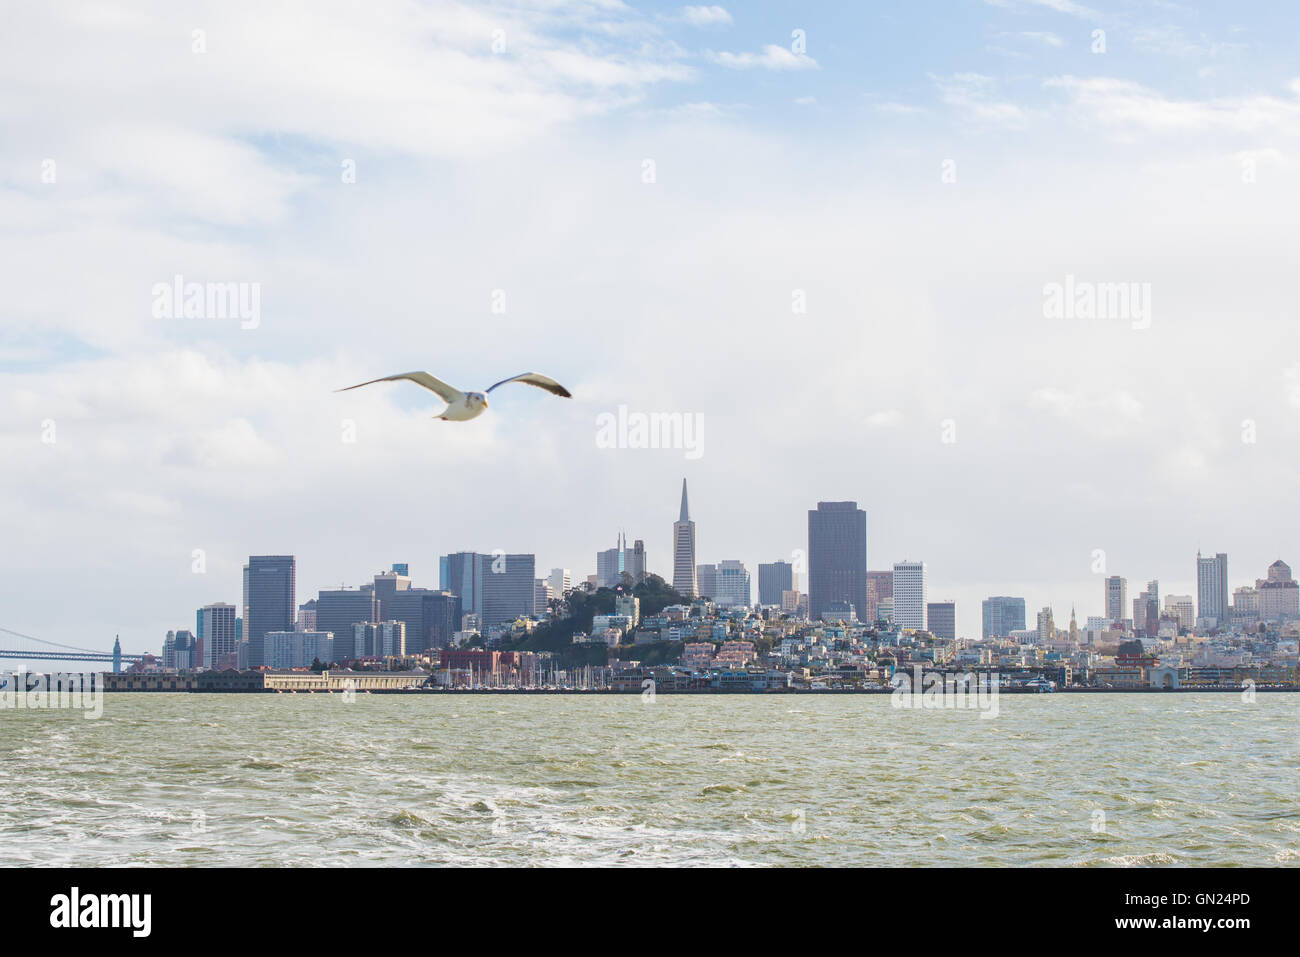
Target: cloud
{"x": 773, "y": 57}
{"x": 706, "y": 16}
{"x": 1060, "y": 6}
{"x": 1126, "y": 104}
{"x": 972, "y": 94}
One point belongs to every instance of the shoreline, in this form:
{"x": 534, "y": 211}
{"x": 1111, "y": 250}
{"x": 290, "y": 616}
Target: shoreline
{"x": 427, "y": 692}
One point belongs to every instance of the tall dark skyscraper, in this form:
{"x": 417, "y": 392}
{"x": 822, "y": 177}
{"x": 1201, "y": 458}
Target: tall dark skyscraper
{"x": 270, "y": 582}
{"x": 773, "y": 579}
{"x": 837, "y": 557}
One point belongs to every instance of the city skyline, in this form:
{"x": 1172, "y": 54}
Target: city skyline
{"x": 466, "y": 571}
{"x": 920, "y": 374}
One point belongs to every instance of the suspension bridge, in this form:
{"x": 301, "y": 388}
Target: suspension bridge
{"x": 22, "y": 647}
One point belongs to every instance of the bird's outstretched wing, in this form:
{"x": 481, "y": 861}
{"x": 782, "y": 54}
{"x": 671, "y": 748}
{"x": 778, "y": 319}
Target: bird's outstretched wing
{"x": 539, "y": 380}
{"x": 448, "y": 394}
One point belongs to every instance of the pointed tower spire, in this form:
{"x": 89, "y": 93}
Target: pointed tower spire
{"x": 686, "y": 512}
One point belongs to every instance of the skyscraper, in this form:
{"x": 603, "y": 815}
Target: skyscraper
{"x": 909, "y": 594}
{"x": 733, "y": 585}
{"x": 1116, "y": 594}
{"x": 706, "y": 581}
{"x": 507, "y": 585}
{"x": 338, "y": 609}
{"x": 1212, "y": 589}
{"x": 773, "y": 580}
{"x": 610, "y": 564}
{"x": 1002, "y": 615}
{"x": 269, "y": 604}
{"x": 634, "y": 562}
{"x": 880, "y": 586}
{"x": 684, "y": 580}
{"x": 495, "y": 586}
{"x": 837, "y": 557}
{"x": 560, "y": 580}
{"x": 941, "y": 619}
{"x": 218, "y": 639}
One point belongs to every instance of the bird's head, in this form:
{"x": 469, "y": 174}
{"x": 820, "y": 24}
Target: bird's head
{"x": 478, "y": 400}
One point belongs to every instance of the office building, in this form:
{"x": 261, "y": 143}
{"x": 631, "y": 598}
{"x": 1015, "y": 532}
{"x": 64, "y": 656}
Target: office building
{"x": 837, "y": 557}
{"x": 941, "y": 619}
{"x": 1116, "y": 597}
{"x": 732, "y": 588}
{"x": 880, "y": 585}
{"x": 560, "y": 581}
{"x": 1002, "y": 615}
{"x": 706, "y": 581}
{"x": 684, "y": 580}
{"x": 1211, "y": 589}
{"x": 269, "y": 603}
{"x": 909, "y": 594}
{"x": 773, "y": 579}
{"x": 1279, "y": 593}
{"x": 219, "y": 638}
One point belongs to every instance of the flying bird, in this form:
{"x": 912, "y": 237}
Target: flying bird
{"x": 463, "y": 406}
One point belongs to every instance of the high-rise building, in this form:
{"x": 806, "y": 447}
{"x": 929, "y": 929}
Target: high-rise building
{"x": 458, "y": 573}
{"x": 837, "y": 557}
{"x": 560, "y": 580}
{"x": 338, "y": 609}
{"x": 379, "y": 639}
{"x": 733, "y": 586}
{"x": 307, "y": 615}
{"x": 634, "y": 561}
{"x": 1146, "y": 611}
{"x": 1116, "y": 595}
{"x": 542, "y": 596}
{"x": 684, "y": 581}
{"x": 218, "y": 639}
{"x": 941, "y": 619}
{"x": 880, "y": 585}
{"x": 270, "y": 582}
{"x": 1279, "y": 593}
{"x": 1212, "y": 589}
{"x": 609, "y": 564}
{"x": 1181, "y": 607}
{"x": 909, "y": 594}
{"x": 1002, "y": 615}
{"x": 706, "y": 581}
{"x": 774, "y": 579}
{"x": 1245, "y": 605}
{"x": 298, "y": 649}
{"x": 1046, "y": 626}
{"x": 507, "y": 585}
{"x": 429, "y": 617}
{"x": 178, "y": 651}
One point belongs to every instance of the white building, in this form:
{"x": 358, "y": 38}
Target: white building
{"x": 732, "y": 587}
{"x": 909, "y": 594}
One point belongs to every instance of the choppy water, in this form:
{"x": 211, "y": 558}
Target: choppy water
{"x": 727, "y": 780}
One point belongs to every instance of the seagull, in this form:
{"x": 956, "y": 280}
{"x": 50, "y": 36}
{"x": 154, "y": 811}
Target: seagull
{"x": 463, "y": 406}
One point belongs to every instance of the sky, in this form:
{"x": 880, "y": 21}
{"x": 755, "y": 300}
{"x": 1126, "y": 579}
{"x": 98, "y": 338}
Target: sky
{"x": 828, "y": 232}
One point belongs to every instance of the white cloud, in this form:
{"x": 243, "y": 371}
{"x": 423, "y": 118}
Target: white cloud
{"x": 1127, "y": 104}
{"x": 706, "y": 16}
{"x": 973, "y": 94}
{"x": 773, "y": 57}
